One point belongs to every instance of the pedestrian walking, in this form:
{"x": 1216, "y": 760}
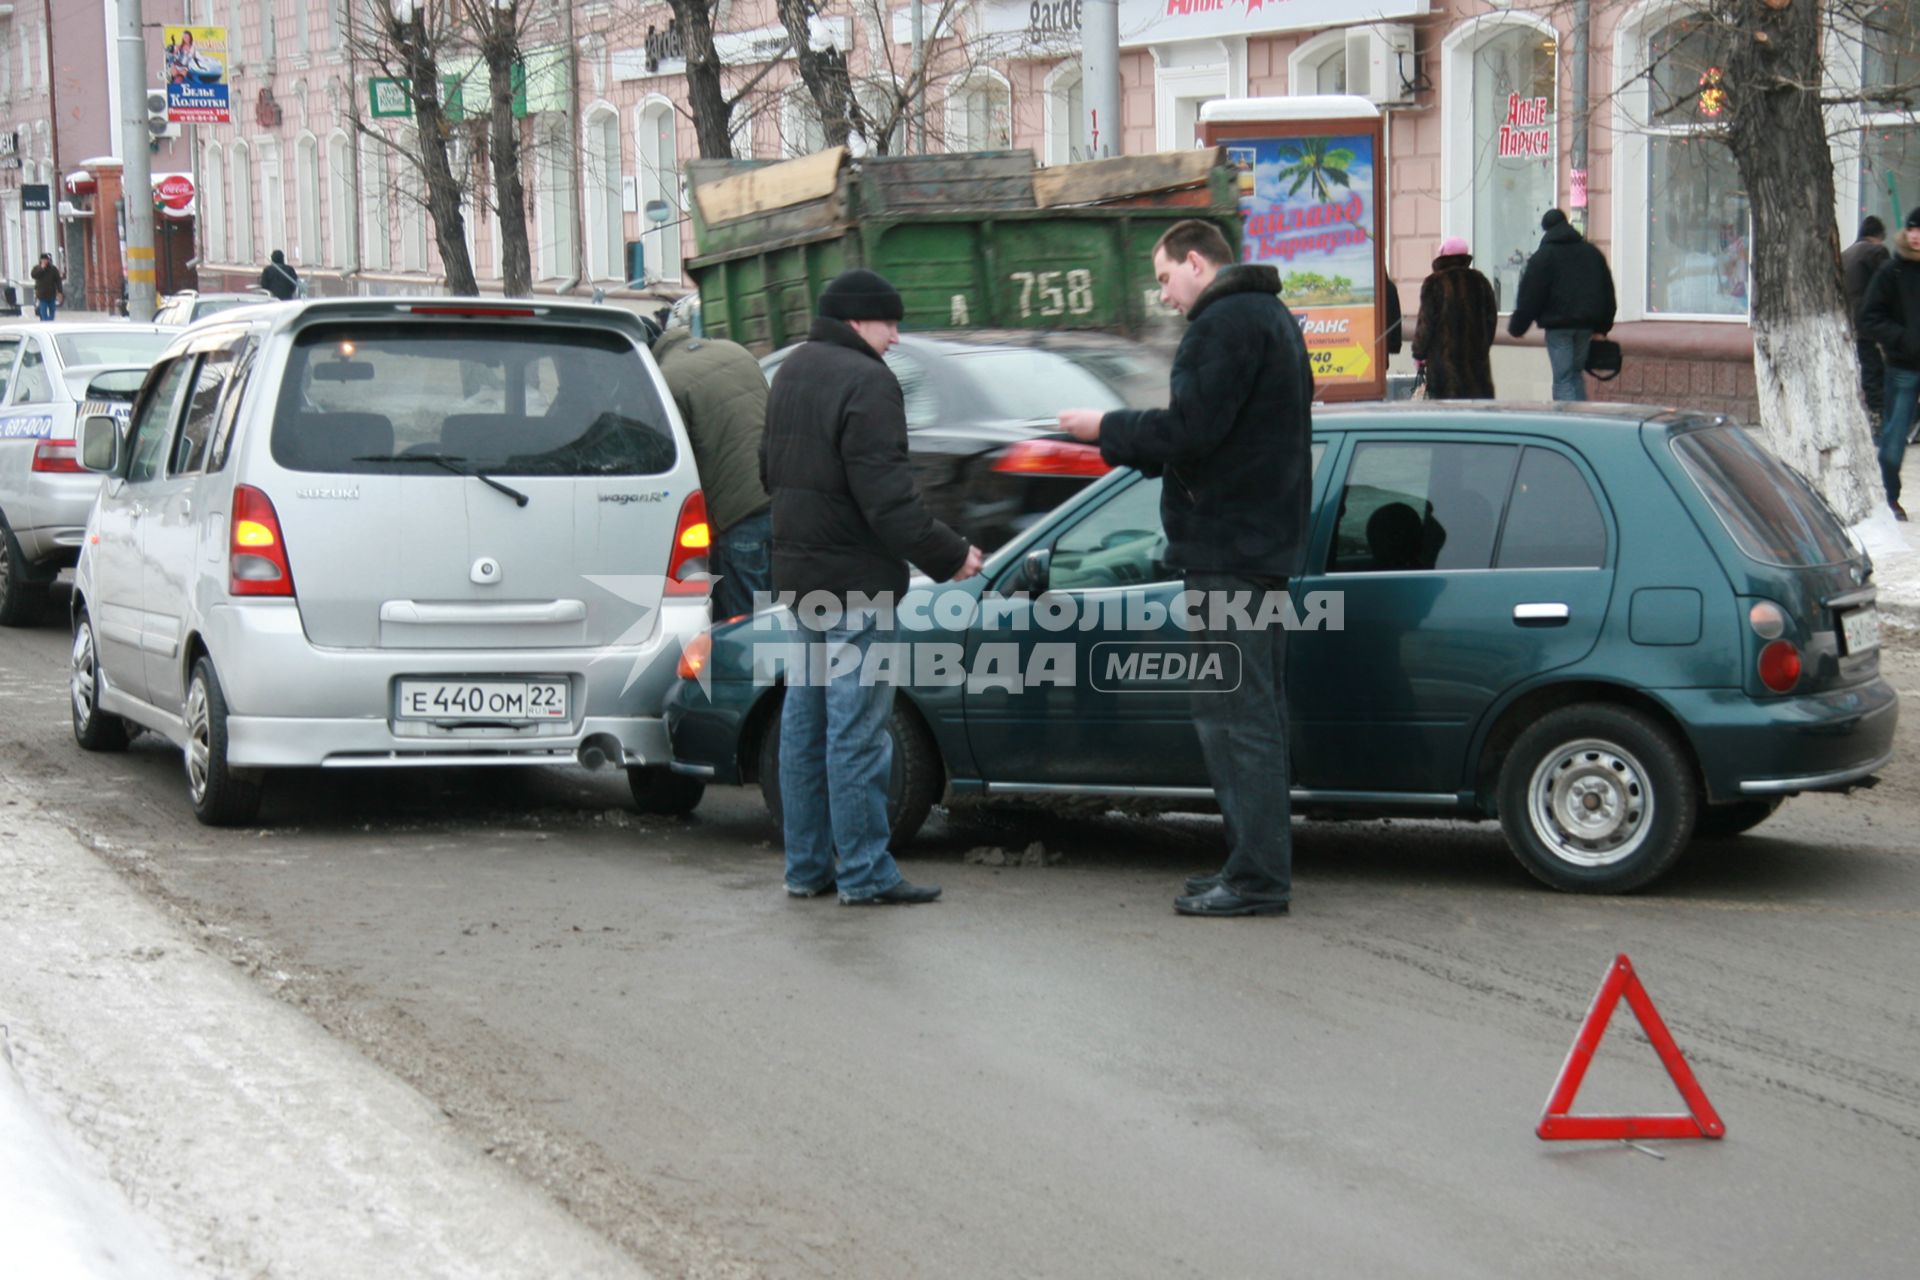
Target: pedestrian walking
{"x": 1890, "y": 316}
{"x": 1857, "y": 264}
{"x": 722, "y": 397}
{"x": 1567, "y": 289}
{"x": 279, "y": 279}
{"x": 1233, "y": 447}
{"x": 847, "y": 521}
{"x": 49, "y": 287}
{"x": 1453, "y": 334}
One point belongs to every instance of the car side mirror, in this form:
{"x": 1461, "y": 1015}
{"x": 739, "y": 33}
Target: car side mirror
{"x": 100, "y": 443}
{"x": 1036, "y": 570}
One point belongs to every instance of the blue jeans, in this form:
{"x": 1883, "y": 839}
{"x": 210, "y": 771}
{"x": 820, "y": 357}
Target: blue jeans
{"x": 1567, "y": 353}
{"x": 1903, "y": 389}
{"x": 1243, "y": 739}
{"x": 43, "y": 309}
{"x": 742, "y": 562}
{"x": 835, "y": 761}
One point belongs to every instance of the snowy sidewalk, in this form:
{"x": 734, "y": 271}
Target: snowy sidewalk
{"x": 160, "y": 1116}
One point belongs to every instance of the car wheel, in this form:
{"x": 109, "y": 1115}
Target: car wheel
{"x": 222, "y": 796}
{"x": 22, "y": 600}
{"x": 658, "y": 789}
{"x": 1597, "y": 799}
{"x": 913, "y": 785}
{"x": 1724, "y": 821}
{"x": 93, "y": 729}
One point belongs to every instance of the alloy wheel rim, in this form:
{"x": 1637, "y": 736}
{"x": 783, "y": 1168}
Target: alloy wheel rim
{"x": 1590, "y": 803}
{"x": 82, "y": 681}
{"x": 199, "y": 740}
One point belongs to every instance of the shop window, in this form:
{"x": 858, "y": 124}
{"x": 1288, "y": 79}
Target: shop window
{"x": 1698, "y": 224}
{"x": 1514, "y": 152}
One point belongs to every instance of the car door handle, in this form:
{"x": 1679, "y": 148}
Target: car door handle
{"x": 1541, "y": 614}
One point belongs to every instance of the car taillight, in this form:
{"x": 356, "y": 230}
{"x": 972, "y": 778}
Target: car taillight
{"x": 1052, "y": 458}
{"x": 257, "y": 553}
{"x": 472, "y": 312}
{"x": 696, "y": 654}
{"x": 62, "y": 457}
{"x": 691, "y": 539}
{"x": 1780, "y": 666}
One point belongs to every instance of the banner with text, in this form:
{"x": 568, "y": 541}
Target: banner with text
{"x": 197, "y": 75}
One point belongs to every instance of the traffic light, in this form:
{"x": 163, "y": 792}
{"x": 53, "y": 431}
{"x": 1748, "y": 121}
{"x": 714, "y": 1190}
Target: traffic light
{"x": 158, "y": 126}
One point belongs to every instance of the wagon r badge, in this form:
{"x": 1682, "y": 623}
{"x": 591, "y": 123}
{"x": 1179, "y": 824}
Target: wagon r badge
{"x": 628, "y": 499}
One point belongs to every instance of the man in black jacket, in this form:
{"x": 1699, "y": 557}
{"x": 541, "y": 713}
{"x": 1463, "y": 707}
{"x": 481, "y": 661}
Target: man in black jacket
{"x": 1567, "y": 289}
{"x": 1234, "y": 450}
{"x": 846, "y": 522}
{"x": 1890, "y": 316}
{"x": 1857, "y": 264}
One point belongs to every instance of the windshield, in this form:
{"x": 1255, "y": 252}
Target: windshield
{"x": 204, "y": 307}
{"x": 1021, "y": 383}
{"x": 1774, "y": 516}
{"x": 108, "y": 347}
{"x": 504, "y": 399}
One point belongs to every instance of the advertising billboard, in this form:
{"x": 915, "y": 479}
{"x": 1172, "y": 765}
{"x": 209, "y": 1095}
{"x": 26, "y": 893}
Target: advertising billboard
{"x": 197, "y": 75}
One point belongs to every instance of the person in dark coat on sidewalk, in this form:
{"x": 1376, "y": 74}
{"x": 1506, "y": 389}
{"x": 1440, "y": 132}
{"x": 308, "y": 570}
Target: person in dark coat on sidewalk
{"x": 1890, "y": 316}
{"x": 847, "y": 520}
{"x": 1567, "y": 289}
{"x": 279, "y": 279}
{"x": 1857, "y": 264}
{"x": 1233, "y": 448}
{"x": 1454, "y": 333}
{"x": 49, "y": 287}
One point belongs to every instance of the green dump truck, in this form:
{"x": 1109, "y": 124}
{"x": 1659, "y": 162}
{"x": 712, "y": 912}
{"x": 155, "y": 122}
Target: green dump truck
{"x": 976, "y": 240}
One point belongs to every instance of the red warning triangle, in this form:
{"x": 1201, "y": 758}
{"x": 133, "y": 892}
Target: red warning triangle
{"x": 1702, "y": 1121}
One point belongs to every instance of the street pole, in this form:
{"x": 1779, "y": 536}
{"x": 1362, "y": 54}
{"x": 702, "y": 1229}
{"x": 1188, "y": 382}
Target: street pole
{"x": 1100, "y": 75}
{"x": 916, "y": 125}
{"x": 1582, "y": 104}
{"x": 137, "y": 170}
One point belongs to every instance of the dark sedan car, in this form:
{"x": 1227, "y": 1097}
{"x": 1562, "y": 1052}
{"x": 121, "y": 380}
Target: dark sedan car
{"x": 982, "y": 409}
{"x": 1612, "y": 629}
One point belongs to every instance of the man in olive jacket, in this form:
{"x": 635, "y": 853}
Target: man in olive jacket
{"x": 1234, "y": 450}
{"x": 722, "y": 397}
{"x": 847, "y": 520}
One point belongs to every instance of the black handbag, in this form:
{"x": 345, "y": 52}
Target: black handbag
{"x": 1603, "y": 359}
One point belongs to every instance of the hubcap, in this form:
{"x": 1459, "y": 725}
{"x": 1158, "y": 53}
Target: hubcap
{"x": 1590, "y": 803}
{"x": 81, "y": 682}
{"x": 199, "y": 740}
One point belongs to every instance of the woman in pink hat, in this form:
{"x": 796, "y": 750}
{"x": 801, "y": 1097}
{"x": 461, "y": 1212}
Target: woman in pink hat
{"x": 1454, "y": 334}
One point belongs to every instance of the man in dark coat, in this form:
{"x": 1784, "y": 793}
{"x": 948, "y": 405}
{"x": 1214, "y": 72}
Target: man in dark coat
{"x": 1890, "y": 316}
{"x": 1567, "y": 289}
{"x": 1234, "y": 448}
{"x": 1454, "y": 333}
{"x": 847, "y": 520}
{"x": 279, "y": 279}
{"x": 1857, "y": 264}
{"x": 49, "y": 287}
{"x": 722, "y": 397}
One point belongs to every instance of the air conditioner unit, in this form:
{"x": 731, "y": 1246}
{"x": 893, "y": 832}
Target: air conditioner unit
{"x": 1380, "y": 66}
{"x": 158, "y": 126}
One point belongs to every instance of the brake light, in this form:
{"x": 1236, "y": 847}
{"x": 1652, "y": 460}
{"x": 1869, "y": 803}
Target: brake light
{"x": 1780, "y": 666}
{"x": 687, "y": 563}
{"x": 61, "y": 457}
{"x": 1052, "y": 458}
{"x": 501, "y": 313}
{"x": 695, "y": 656}
{"x": 257, "y": 553}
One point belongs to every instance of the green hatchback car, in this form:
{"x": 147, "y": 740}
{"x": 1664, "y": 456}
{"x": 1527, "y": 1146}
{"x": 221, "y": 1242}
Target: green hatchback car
{"x": 1612, "y": 629}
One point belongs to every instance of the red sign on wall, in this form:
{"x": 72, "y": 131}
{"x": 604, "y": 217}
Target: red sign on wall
{"x": 1527, "y": 131}
{"x": 174, "y": 191}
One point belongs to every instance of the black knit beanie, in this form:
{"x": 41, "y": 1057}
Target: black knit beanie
{"x": 860, "y": 294}
{"x": 1551, "y": 219}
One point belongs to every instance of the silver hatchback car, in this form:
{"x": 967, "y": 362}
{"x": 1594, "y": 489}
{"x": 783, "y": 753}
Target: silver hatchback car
{"x": 376, "y": 533}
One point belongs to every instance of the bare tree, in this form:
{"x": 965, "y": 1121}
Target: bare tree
{"x": 498, "y": 27}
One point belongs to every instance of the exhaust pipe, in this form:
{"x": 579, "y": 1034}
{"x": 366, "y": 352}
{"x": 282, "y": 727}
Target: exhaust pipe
{"x": 599, "y": 751}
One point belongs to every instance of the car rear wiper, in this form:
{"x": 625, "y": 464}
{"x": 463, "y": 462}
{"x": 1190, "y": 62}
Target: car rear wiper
{"x": 448, "y": 462}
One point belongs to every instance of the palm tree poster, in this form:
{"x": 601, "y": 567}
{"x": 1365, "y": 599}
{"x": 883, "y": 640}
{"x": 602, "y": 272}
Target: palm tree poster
{"x": 1307, "y": 208}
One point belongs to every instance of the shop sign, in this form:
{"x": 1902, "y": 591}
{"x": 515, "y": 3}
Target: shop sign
{"x": 174, "y": 191}
{"x": 1527, "y": 130}
{"x": 36, "y": 197}
{"x": 197, "y": 75}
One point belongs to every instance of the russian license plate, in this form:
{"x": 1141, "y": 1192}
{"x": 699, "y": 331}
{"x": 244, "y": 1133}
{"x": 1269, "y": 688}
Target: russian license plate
{"x": 483, "y": 700}
{"x": 1861, "y": 629}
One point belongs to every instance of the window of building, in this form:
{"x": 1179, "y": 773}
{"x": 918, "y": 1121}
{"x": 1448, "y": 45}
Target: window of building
{"x": 801, "y": 132}
{"x": 606, "y": 222}
{"x": 273, "y": 198}
{"x": 240, "y": 164}
{"x": 1319, "y": 65}
{"x": 1066, "y": 113}
{"x": 306, "y": 165}
{"x": 1514, "y": 152}
{"x": 659, "y": 153}
{"x": 553, "y": 182}
{"x": 1888, "y": 58}
{"x": 980, "y": 114}
{"x": 212, "y": 203}
{"x": 340, "y": 199}
{"x": 410, "y": 199}
{"x": 376, "y": 215}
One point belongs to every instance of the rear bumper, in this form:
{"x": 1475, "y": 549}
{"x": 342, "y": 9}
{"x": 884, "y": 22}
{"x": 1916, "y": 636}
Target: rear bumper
{"x": 262, "y": 742}
{"x": 1778, "y": 746}
{"x": 706, "y": 732}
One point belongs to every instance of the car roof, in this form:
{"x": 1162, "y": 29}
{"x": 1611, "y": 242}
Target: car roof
{"x": 1549, "y": 417}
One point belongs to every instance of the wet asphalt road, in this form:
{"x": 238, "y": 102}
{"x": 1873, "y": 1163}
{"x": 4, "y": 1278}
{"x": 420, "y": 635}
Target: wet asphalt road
{"x": 1048, "y": 1073}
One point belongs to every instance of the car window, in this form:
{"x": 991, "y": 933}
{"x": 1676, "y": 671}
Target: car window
{"x": 203, "y": 408}
{"x": 112, "y": 348}
{"x": 31, "y": 383}
{"x": 242, "y": 353}
{"x": 915, "y": 389}
{"x": 1773, "y": 514}
{"x": 1411, "y": 507}
{"x": 1553, "y": 521}
{"x": 510, "y": 400}
{"x": 1027, "y": 383}
{"x": 1119, "y": 543}
{"x": 9, "y": 348}
{"x": 153, "y": 425}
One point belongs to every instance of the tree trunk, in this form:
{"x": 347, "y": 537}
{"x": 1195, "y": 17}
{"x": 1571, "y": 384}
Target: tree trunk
{"x": 706, "y": 97}
{"x": 503, "y": 145}
{"x": 824, "y": 71}
{"x": 1805, "y": 365}
{"x": 443, "y": 188}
